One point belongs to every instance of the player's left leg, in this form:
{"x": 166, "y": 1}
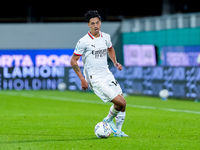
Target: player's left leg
{"x": 119, "y": 122}
{"x": 120, "y": 118}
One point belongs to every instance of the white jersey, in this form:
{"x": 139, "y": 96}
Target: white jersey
{"x": 94, "y": 53}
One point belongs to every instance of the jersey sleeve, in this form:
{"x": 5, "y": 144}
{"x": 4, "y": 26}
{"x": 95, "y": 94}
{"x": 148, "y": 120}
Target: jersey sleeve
{"x": 109, "y": 43}
{"x": 80, "y": 47}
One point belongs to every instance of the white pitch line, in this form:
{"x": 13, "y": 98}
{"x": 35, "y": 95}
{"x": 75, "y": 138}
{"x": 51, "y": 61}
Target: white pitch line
{"x": 95, "y": 102}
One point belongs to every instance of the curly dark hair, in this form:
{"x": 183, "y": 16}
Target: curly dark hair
{"x": 92, "y": 14}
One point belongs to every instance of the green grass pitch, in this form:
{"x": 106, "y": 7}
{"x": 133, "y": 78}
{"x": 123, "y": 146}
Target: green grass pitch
{"x": 53, "y": 120}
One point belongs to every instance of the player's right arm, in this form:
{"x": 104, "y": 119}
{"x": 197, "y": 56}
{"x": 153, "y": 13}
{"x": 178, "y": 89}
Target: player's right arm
{"x": 75, "y": 57}
{"x": 77, "y": 69}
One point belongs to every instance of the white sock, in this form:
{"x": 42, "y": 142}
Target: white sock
{"x": 112, "y": 113}
{"x": 120, "y": 120}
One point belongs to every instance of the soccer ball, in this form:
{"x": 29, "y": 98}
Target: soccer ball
{"x": 164, "y": 94}
{"x": 102, "y": 130}
{"x": 62, "y": 86}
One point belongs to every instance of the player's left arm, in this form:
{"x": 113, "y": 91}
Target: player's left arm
{"x": 112, "y": 56}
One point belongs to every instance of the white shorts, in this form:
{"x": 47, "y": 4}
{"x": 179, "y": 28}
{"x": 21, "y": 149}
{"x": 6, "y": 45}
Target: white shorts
{"x": 106, "y": 88}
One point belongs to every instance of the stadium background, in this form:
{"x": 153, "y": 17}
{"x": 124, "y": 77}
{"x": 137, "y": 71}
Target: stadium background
{"x": 37, "y": 40}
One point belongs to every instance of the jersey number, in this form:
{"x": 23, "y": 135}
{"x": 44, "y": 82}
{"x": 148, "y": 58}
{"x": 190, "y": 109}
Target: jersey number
{"x": 115, "y": 82}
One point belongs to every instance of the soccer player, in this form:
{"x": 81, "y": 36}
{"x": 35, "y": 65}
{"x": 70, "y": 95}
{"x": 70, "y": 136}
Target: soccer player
{"x": 94, "y": 47}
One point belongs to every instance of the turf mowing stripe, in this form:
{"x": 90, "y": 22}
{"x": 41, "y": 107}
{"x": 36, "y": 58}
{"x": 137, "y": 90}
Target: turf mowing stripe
{"x": 95, "y": 102}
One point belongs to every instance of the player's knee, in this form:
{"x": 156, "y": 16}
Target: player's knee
{"x": 123, "y": 101}
{"x": 122, "y": 104}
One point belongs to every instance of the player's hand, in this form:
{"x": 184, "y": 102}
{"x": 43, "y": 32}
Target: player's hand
{"x": 84, "y": 84}
{"x": 118, "y": 66}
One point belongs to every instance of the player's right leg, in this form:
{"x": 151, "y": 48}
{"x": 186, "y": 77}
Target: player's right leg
{"x": 108, "y": 94}
{"x": 118, "y": 109}
{"x": 120, "y": 118}
{"x": 119, "y": 105}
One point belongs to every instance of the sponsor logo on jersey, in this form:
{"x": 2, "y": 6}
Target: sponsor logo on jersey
{"x": 99, "y": 53}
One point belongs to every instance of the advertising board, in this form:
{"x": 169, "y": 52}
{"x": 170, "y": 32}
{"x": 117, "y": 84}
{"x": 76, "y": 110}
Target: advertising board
{"x": 181, "y": 82}
{"x": 180, "y": 56}
{"x": 38, "y": 78}
{"x": 29, "y": 69}
{"x": 139, "y": 55}
{"x": 38, "y": 57}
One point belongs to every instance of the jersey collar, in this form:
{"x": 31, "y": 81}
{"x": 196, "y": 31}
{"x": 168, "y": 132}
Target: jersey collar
{"x": 92, "y": 37}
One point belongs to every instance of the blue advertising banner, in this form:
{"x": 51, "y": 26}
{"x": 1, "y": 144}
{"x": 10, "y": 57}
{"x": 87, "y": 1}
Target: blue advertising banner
{"x": 36, "y": 57}
{"x": 37, "y": 69}
{"x": 38, "y": 78}
{"x": 180, "y": 56}
{"x": 181, "y": 82}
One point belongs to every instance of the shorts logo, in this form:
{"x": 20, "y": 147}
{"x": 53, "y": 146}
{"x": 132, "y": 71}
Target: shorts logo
{"x": 105, "y": 95}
